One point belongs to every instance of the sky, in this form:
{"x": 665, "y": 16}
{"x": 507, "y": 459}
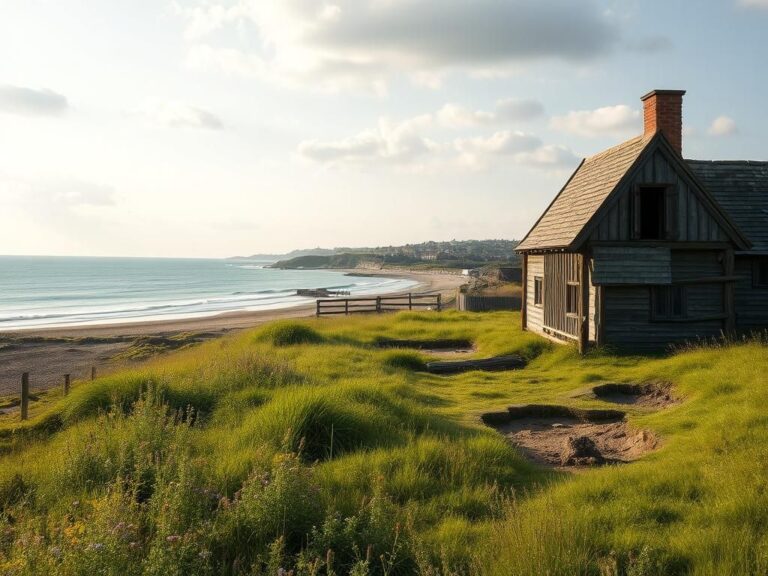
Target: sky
{"x": 213, "y": 128}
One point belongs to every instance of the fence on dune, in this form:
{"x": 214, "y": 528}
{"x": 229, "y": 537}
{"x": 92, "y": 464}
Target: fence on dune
{"x": 378, "y": 304}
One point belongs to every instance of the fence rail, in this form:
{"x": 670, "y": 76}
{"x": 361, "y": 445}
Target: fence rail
{"x": 379, "y": 304}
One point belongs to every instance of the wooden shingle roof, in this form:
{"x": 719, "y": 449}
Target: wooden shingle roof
{"x": 741, "y": 188}
{"x": 589, "y": 186}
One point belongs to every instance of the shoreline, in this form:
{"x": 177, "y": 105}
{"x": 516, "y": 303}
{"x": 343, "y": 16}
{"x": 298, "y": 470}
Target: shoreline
{"x": 231, "y": 320}
{"x": 49, "y": 353}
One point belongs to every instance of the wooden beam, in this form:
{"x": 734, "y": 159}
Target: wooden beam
{"x": 600, "y": 316}
{"x": 729, "y": 291}
{"x": 24, "y": 404}
{"x": 524, "y": 304}
{"x": 584, "y": 304}
{"x": 681, "y": 245}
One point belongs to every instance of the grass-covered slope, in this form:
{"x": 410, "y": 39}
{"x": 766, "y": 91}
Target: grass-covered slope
{"x": 302, "y": 446}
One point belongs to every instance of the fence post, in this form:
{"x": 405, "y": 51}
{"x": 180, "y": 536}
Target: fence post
{"x": 410, "y": 301}
{"x": 318, "y": 309}
{"x": 66, "y": 384}
{"x": 24, "y": 395}
{"x": 439, "y": 304}
{"x": 93, "y": 372}
{"x": 378, "y": 303}
{"x": 346, "y": 307}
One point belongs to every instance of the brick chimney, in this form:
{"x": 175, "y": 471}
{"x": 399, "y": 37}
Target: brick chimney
{"x": 663, "y": 112}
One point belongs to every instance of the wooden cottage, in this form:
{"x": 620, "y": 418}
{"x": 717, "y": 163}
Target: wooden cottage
{"x": 642, "y": 248}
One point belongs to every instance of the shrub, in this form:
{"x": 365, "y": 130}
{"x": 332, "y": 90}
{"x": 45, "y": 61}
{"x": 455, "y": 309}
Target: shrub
{"x": 291, "y": 334}
{"x": 319, "y": 424}
{"x": 404, "y": 360}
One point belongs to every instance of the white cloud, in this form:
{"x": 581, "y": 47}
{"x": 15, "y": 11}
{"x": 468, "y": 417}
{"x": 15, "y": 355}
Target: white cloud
{"x": 180, "y": 115}
{"x": 723, "y": 126}
{"x": 392, "y": 142}
{"x": 409, "y": 142}
{"x": 507, "y": 110}
{"x": 517, "y": 147}
{"x": 518, "y": 109}
{"x": 456, "y": 116}
{"x": 364, "y": 42}
{"x": 56, "y": 195}
{"x": 609, "y": 120}
{"x": 31, "y": 102}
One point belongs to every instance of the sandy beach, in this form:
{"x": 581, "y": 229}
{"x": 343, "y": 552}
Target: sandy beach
{"x": 49, "y": 353}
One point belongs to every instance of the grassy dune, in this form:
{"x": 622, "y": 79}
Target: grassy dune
{"x": 301, "y": 446}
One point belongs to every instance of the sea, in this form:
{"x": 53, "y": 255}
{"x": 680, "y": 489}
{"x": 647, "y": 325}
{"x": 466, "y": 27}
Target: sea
{"x": 47, "y": 291}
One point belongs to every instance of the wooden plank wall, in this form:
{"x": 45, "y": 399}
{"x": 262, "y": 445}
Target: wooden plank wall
{"x": 628, "y": 309}
{"x": 559, "y": 269}
{"x": 631, "y": 265}
{"x": 592, "y": 310}
{"x": 628, "y": 324}
{"x": 695, "y": 223}
{"x": 751, "y": 302}
{"x": 534, "y": 314}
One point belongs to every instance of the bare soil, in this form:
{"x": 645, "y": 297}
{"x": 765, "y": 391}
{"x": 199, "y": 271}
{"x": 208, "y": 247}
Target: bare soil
{"x": 567, "y": 438}
{"x": 650, "y": 395}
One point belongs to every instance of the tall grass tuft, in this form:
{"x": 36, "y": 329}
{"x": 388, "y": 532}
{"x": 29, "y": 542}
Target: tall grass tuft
{"x": 290, "y": 334}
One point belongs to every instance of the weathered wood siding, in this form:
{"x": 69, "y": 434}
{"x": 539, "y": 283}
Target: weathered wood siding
{"x": 534, "y": 314}
{"x": 631, "y": 265}
{"x": 751, "y": 302}
{"x": 694, "y": 221}
{"x": 559, "y": 270}
{"x": 592, "y": 310}
{"x": 628, "y": 322}
{"x": 688, "y": 264}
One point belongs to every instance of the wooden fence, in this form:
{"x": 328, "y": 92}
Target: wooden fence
{"x": 472, "y": 303}
{"x": 25, "y": 396}
{"x": 379, "y": 304}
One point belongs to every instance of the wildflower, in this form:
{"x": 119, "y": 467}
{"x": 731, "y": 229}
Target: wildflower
{"x": 173, "y": 538}
{"x": 96, "y": 546}
{"x": 204, "y": 554}
{"x": 55, "y": 551}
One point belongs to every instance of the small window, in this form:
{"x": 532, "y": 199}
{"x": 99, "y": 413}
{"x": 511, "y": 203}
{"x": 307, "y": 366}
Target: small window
{"x": 669, "y": 302}
{"x": 652, "y": 217}
{"x": 538, "y": 290}
{"x": 572, "y": 299}
{"x": 760, "y": 273}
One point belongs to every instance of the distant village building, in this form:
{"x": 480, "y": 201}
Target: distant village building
{"x": 642, "y": 248}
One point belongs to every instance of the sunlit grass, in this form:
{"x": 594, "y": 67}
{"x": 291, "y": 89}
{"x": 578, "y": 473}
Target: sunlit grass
{"x": 269, "y": 448}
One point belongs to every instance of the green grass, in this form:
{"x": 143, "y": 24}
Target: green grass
{"x": 303, "y": 446}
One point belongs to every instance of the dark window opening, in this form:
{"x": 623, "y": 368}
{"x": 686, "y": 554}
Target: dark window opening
{"x": 761, "y": 273}
{"x": 538, "y": 290}
{"x": 572, "y": 299}
{"x": 651, "y": 213}
{"x": 669, "y": 302}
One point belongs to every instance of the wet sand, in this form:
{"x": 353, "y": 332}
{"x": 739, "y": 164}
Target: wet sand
{"x": 49, "y": 353}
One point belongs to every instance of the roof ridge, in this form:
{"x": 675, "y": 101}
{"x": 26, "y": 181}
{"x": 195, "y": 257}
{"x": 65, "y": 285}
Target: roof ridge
{"x": 738, "y": 162}
{"x": 612, "y": 149}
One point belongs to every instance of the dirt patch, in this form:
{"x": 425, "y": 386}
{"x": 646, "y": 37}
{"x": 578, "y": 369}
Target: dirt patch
{"x": 445, "y": 348}
{"x": 570, "y": 438}
{"x": 651, "y": 395}
{"x": 496, "y": 364}
{"x": 443, "y": 344}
